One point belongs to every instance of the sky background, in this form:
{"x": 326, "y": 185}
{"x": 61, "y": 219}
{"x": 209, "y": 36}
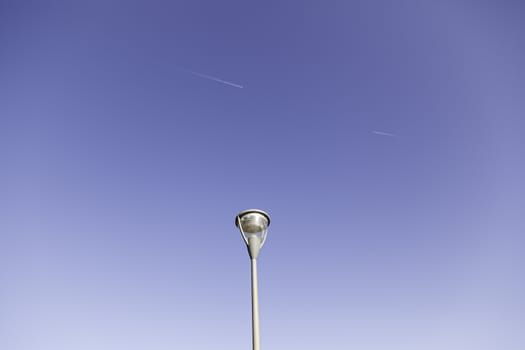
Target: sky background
{"x": 121, "y": 172}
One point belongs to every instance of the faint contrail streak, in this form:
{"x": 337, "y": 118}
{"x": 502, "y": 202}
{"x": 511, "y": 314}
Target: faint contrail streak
{"x": 382, "y": 133}
{"x": 209, "y": 77}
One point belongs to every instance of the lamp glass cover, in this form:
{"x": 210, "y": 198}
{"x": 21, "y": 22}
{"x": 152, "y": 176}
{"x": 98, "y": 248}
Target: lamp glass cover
{"x": 253, "y": 225}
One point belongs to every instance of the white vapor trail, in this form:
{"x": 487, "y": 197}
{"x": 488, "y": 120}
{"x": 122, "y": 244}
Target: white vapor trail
{"x": 382, "y": 133}
{"x": 209, "y": 77}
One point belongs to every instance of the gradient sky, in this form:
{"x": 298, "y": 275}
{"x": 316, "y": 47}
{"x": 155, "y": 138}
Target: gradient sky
{"x": 123, "y": 165}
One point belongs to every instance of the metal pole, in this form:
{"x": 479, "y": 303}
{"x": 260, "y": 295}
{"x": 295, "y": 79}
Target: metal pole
{"x": 255, "y": 308}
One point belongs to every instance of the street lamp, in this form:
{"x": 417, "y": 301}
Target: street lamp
{"x": 253, "y": 224}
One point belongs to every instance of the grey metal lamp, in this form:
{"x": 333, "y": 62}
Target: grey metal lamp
{"x": 253, "y": 224}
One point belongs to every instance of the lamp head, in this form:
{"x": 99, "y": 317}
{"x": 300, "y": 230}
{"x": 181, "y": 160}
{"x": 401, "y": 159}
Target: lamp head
{"x": 253, "y": 224}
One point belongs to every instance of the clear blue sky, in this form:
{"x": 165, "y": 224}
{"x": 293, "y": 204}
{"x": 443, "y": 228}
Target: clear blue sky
{"x": 384, "y": 138}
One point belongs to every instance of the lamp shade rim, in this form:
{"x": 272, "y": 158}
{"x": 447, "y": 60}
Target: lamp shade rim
{"x": 252, "y": 211}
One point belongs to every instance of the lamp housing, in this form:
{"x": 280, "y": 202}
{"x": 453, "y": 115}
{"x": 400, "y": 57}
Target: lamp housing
{"x": 253, "y": 224}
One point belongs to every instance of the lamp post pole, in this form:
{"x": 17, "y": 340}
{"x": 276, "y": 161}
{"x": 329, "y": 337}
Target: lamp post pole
{"x": 256, "y": 336}
{"x": 253, "y": 224}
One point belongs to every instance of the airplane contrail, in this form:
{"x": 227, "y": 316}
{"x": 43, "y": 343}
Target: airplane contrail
{"x": 209, "y": 77}
{"x": 382, "y": 133}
